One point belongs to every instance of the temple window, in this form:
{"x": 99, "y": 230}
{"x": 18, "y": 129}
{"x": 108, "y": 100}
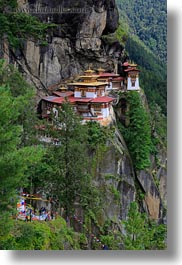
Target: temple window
{"x": 83, "y": 93}
{"x": 97, "y": 107}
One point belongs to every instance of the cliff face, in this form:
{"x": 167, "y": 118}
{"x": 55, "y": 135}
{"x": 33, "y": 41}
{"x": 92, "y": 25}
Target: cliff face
{"x": 74, "y": 44}
{"x": 119, "y": 184}
{"x": 115, "y": 178}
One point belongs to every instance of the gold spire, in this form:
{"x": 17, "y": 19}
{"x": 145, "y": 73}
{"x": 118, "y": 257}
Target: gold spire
{"x": 63, "y": 88}
{"x": 89, "y": 71}
{"x": 132, "y": 64}
{"x": 100, "y": 70}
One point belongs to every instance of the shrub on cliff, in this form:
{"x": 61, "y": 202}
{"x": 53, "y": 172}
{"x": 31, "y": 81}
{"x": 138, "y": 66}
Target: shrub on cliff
{"x": 138, "y": 133}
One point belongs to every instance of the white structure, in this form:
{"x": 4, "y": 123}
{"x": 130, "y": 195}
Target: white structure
{"x": 133, "y": 82}
{"x": 132, "y": 76}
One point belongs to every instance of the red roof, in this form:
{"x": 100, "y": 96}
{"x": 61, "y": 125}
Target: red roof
{"x": 125, "y": 64}
{"x": 58, "y": 100}
{"x": 49, "y": 98}
{"x": 102, "y": 100}
{"x": 83, "y": 100}
{"x": 108, "y": 75}
{"x": 118, "y": 79}
{"x": 131, "y": 69}
{"x": 63, "y": 94}
{"x": 72, "y": 99}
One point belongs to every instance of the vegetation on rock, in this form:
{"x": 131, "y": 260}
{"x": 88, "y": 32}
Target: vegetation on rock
{"x": 141, "y": 233}
{"x": 18, "y": 26}
{"x": 15, "y": 156}
{"x": 137, "y": 133}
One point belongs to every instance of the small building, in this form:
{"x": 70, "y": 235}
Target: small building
{"x": 109, "y": 78}
{"x": 118, "y": 83}
{"x": 132, "y": 76}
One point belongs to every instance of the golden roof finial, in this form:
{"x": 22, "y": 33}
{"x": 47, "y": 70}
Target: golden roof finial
{"x": 63, "y": 88}
{"x": 89, "y": 70}
{"x": 100, "y": 69}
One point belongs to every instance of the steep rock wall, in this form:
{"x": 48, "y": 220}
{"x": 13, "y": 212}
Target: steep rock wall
{"x": 115, "y": 179}
{"x": 151, "y": 184}
{"x": 74, "y": 45}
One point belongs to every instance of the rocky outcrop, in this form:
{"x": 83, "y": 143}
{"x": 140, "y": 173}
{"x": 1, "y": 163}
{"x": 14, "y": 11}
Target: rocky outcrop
{"x": 120, "y": 184}
{"x": 74, "y": 45}
{"x": 152, "y": 201}
{"x": 115, "y": 179}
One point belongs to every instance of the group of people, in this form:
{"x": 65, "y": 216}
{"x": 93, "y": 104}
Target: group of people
{"x": 42, "y": 215}
{"x": 27, "y": 212}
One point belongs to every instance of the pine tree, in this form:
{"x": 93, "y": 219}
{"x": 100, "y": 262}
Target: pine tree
{"x": 135, "y": 230}
{"x": 25, "y": 94}
{"x": 15, "y": 156}
{"x": 64, "y": 166}
{"x": 141, "y": 233}
{"x": 14, "y": 159}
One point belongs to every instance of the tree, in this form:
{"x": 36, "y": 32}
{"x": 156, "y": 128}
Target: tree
{"x": 14, "y": 159}
{"x": 141, "y": 233}
{"x": 64, "y": 165}
{"x": 135, "y": 229}
{"x": 25, "y": 94}
{"x": 17, "y": 153}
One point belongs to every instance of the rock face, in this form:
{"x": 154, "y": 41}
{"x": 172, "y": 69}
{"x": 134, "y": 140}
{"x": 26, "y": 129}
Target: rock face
{"x": 151, "y": 184}
{"x": 114, "y": 177}
{"x": 154, "y": 185}
{"x": 74, "y": 45}
{"x": 119, "y": 184}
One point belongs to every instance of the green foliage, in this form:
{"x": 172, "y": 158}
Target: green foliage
{"x": 7, "y": 4}
{"x": 110, "y": 38}
{"x": 141, "y": 234}
{"x": 54, "y": 235}
{"x": 138, "y": 133}
{"x": 19, "y": 26}
{"x": 146, "y": 27}
{"x": 135, "y": 229}
{"x": 159, "y": 126}
{"x": 147, "y": 20}
{"x": 120, "y": 35}
{"x": 63, "y": 168}
{"x": 25, "y": 98}
{"x": 112, "y": 241}
{"x": 115, "y": 193}
{"x": 98, "y": 135}
{"x": 122, "y": 32}
{"x": 153, "y": 73}
{"x": 158, "y": 236}
{"x": 15, "y": 157}
{"x": 111, "y": 176}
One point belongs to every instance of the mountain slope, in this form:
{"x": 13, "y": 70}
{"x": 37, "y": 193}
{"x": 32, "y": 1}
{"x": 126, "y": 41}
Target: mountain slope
{"x": 148, "y": 21}
{"x": 144, "y": 24}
